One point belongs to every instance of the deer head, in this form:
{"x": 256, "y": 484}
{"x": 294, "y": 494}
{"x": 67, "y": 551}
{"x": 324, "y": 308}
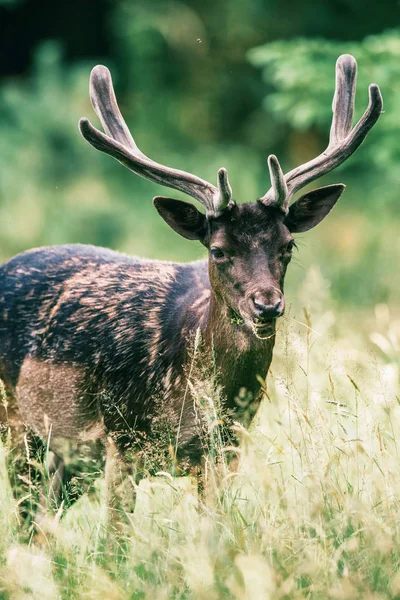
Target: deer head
{"x": 250, "y": 245}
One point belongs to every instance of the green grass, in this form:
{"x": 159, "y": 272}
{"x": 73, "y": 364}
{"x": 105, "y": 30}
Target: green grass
{"x": 313, "y": 511}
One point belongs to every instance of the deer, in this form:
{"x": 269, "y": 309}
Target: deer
{"x": 81, "y": 324}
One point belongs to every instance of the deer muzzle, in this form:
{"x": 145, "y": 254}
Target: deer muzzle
{"x": 265, "y": 307}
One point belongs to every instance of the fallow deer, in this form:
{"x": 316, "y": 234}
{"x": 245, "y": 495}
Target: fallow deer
{"x": 90, "y": 338}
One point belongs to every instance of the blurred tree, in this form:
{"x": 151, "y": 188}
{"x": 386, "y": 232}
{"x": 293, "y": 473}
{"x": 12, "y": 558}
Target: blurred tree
{"x": 80, "y": 27}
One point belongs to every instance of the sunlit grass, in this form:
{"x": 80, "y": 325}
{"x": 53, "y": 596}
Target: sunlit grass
{"x": 312, "y": 512}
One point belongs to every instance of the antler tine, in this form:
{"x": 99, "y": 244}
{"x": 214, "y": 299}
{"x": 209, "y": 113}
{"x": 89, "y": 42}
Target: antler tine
{"x": 343, "y": 99}
{"x": 277, "y": 194}
{"x": 344, "y": 140}
{"x": 119, "y": 143}
{"x": 105, "y": 104}
{"x": 225, "y": 190}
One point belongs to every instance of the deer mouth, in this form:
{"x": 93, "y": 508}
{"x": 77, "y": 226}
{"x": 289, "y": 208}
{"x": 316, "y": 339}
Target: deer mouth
{"x": 261, "y": 322}
{"x": 262, "y": 328}
{"x": 262, "y": 325}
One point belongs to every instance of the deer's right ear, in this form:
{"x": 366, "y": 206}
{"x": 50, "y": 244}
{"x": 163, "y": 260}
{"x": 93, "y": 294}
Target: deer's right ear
{"x": 182, "y": 217}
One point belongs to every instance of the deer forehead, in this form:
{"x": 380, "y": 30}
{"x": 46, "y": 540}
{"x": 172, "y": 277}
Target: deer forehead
{"x": 249, "y": 227}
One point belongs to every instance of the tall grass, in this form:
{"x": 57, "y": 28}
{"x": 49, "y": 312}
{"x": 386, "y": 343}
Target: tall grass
{"x": 313, "y": 510}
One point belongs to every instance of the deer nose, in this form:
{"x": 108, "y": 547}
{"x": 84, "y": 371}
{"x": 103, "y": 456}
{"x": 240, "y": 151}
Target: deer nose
{"x": 268, "y": 311}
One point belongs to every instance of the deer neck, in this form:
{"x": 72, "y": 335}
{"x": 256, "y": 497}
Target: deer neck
{"x": 240, "y": 356}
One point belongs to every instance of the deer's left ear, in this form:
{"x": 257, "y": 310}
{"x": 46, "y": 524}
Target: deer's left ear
{"x": 310, "y": 209}
{"x": 182, "y": 217}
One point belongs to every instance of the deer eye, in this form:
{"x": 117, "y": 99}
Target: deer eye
{"x": 291, "y": 245}
{"x": 217, "y": 253}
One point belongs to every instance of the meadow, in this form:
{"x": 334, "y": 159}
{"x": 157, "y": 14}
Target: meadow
{"x": 313, "y": 510}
